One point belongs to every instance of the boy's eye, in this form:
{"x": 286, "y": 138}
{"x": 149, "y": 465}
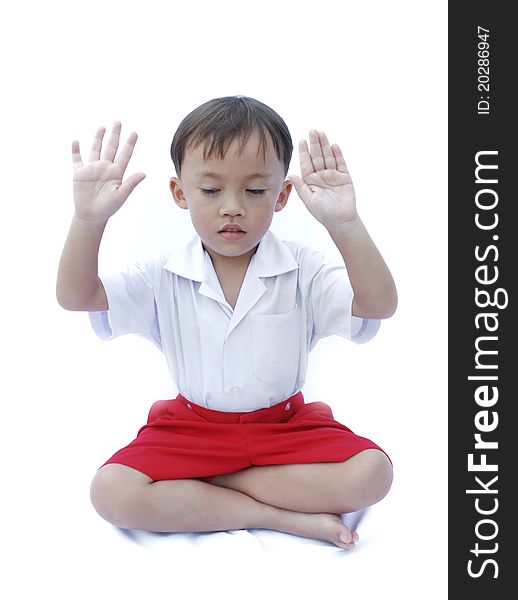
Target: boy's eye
{"x": 212, "y": 191}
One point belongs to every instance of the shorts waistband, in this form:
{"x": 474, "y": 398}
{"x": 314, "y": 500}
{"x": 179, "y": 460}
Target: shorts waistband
{"x": 277, "y": 413}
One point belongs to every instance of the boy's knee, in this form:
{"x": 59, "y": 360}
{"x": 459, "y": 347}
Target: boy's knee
{"x": 115, "y": 496}
{"x": 372, "y": 477}
{"x": 382, "y": 474}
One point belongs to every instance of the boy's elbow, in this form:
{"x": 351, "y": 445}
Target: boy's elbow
{"x": 65, "y": 303}
{"x": 61, "y": 299}
{"x": 74, "y": 304}
{"x": 379, "y": 310}
{"x": 381, "y": 313}
{"x": 389, "y": 312}
{"x": 79, "y": 302}
{"x": 389, "y": 308}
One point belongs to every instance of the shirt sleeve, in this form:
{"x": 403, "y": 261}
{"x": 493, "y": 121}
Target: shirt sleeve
{"x": 331, "y": 297}
{"x": 131, "y": 304}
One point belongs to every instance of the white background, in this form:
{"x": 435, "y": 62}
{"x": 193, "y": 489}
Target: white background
{"x": 370, "y": 74}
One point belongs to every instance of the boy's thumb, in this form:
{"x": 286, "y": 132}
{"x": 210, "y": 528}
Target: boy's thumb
{"x": 296, "y": 180}
{"x": 300, "y": 186}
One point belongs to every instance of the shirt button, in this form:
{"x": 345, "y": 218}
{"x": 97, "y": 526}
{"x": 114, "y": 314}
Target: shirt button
{"x": 189, "y": 406}
{"x": 235, "y": 388}
{"x": 288, "y": 406}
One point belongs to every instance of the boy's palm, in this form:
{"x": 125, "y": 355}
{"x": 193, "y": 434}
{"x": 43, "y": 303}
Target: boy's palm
{"x": 325, "y": 187}
{"x": 98, "y": 187}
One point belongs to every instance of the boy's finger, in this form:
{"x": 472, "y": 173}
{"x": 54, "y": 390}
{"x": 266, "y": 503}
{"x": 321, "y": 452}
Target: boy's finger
{"x": 95, "y": 150}
{"x": 327, "y": 152}
{"x": 316, "y": 150}
{"x": 113, "y": 143}
{"x": 306, "y": 164}
{"x": 130, "y": 184}
{"x": 77, "y": 163}
{"x": 302, "y": 188}
{"x": 127, "y": 151}
{"x": 340, "y": 160}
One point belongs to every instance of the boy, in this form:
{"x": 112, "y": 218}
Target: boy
{"x": 235, "y": 312}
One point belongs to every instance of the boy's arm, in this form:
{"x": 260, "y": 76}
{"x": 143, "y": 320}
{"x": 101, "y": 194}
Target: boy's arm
{"x": 375, "y": 295}
{"x": 98, "y": 193}
{"x": 78, "y": 285}
{"x": 327, "y": 191}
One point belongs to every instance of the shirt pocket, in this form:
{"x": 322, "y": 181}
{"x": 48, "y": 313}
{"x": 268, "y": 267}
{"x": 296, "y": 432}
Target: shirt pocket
{"x": 276, "y": 346}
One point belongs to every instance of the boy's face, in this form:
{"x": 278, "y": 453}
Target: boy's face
{"x": 231, "y": 200}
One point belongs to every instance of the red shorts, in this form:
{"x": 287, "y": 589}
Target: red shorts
{"x": 184, "y": 441}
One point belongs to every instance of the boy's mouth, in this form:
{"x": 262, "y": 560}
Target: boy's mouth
{"x": 231, "y": 227}
{"x": 232, "y": 232}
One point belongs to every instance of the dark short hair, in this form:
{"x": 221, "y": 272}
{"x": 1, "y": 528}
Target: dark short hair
{"x": 218, "y": 122}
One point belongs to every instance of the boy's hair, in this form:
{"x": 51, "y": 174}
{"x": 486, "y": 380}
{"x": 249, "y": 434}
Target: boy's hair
{"x": 218, "y": 122}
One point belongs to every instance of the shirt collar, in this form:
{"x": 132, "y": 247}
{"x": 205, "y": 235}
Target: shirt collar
{"x": 273, "y": 257}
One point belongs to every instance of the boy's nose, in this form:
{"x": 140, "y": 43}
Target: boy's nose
{"x": 232, "y": 206}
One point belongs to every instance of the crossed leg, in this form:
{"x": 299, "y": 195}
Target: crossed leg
{"x": 302, "y": 499}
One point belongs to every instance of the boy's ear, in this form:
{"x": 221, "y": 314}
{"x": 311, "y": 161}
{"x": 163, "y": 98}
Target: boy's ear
{"x": 283, "y": 196}
{"x": 176, "y": 189}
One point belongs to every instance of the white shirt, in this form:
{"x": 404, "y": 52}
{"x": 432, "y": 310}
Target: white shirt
{"x": 241, "y": 359}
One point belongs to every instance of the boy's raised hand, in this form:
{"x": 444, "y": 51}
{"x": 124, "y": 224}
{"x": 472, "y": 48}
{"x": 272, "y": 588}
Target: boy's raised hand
{"x": 325, "y": 187}
{"x": 98, "y": 187}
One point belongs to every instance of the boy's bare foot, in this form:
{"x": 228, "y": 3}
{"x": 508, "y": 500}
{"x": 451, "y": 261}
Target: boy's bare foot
{"x": 322, "y": 526}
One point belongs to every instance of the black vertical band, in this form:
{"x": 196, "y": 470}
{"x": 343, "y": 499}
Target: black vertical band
{"x": 483, "y": 268}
